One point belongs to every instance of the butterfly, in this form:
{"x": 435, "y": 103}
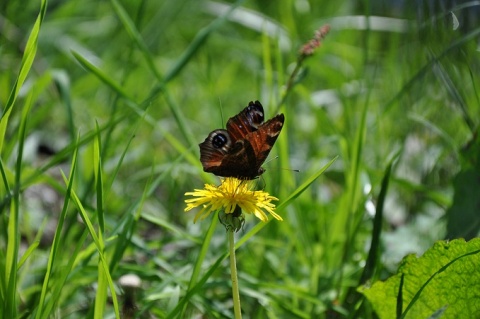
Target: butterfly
{"x": 240, "y": 150}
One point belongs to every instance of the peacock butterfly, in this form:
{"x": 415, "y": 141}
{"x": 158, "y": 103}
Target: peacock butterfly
{"x": 240, "y": 150}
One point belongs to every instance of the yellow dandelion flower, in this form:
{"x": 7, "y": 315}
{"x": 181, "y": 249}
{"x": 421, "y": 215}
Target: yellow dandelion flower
{"x": 232, "y": 192}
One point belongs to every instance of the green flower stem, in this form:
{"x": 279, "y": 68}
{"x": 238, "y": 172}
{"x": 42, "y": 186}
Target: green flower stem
{"x": 233, "y": 270}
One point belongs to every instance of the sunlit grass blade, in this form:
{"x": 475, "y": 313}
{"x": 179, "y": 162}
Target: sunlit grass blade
{"x": 62, "y": 81}
{"x": 286, "y": 201}
{"x": 102, "y": 76}
{"x": 180, "y": 118}
{"x": 274, "y": 78}
{"x": 101, "y": 294}
{"x": 268, "y": 67}
{"x": 99, "y": 247}
{"x": 26, "y": 64}
{"x": 151, "y": 73}
{"x": 28, "y": 253}
{"x": 428, "y": 66}
{"x": 172, "y": 228}
{"x": 344, "y": 226}
{"x": 373, "y": 255}
{"x": 300, "y": 189}
{"x": 196, "y": 288}
{"x": 474, "y": 85}
{"x": 181, "y": 149}
{"x": 253, "y": 231}
{"x": 64, "y": 273}
{"x": 281, "y": 76}
{"x": 13, "y": 232}
{"x": 454, "y": 92}
{"x": 117, "y": 88}
{"x": 131, "y": 29}
{"x": 199, "y": 40}
{"x": 6, "y": 185}
{"x": 57, "y": 240}
{"x": 119, "y": 164}
{"x": 373, "y": 259}
{"x": 66, "y": 153}
{"x": 126, "y": 228}
{"x": 9, "y": 302}
{"x": 193, "y": 285}
{"x": 9, "y": 294}
{"x": 201, "y": 257}
{"x": 97, "y": 164}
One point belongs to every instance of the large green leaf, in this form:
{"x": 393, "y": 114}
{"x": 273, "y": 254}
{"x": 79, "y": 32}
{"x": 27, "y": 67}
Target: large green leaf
{"x": 445, "y": 276}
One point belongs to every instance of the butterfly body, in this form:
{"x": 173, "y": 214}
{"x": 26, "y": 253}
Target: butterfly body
{"x": 240, "y": 149}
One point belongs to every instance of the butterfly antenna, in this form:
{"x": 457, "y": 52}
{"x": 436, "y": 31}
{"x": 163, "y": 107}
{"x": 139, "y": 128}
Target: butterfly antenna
{"x": 289, "y": 169}
{"x": 271, "y": 159}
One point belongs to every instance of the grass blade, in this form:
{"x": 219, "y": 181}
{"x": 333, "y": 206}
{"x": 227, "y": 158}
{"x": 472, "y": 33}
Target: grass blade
{"x": 101, "y": 295}
{"x": 13, "y": 232}
{"x": 285, "y": 203}
{"x": 56, "y": 241}
{"x": 427, "y": 67}
{"x": 199, "y": 40}
{"x": 372, "y": 259}
{"x": 202, "y": 255}
{"x": 99, "y": 246}
{"x": 97, "y": 164}
{"x": 27, "y": 61}
{"x": 373, "y": 254}
{"x": 132, "y": 31}
{"x": 256, "y": 229}
{"x": 190, "y": 293}
{"x": 117, "y": 88}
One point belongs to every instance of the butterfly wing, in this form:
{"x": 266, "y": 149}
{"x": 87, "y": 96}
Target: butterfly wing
{"x": 214, "y": 149}
{"x": 262, "y": 140}
{"x": 246, "y": 122}
{"x": 240, "y": 150}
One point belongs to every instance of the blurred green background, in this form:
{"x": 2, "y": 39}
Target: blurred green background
{"x": 132, "y": 87}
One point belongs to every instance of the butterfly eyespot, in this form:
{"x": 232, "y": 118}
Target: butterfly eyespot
{"x": 220, "y": 139}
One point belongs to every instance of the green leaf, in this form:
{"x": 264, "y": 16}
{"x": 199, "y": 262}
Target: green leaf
{"x": 446, "y": 276}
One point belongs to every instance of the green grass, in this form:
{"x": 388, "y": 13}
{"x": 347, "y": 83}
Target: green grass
{"x": 381, "y": 123}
